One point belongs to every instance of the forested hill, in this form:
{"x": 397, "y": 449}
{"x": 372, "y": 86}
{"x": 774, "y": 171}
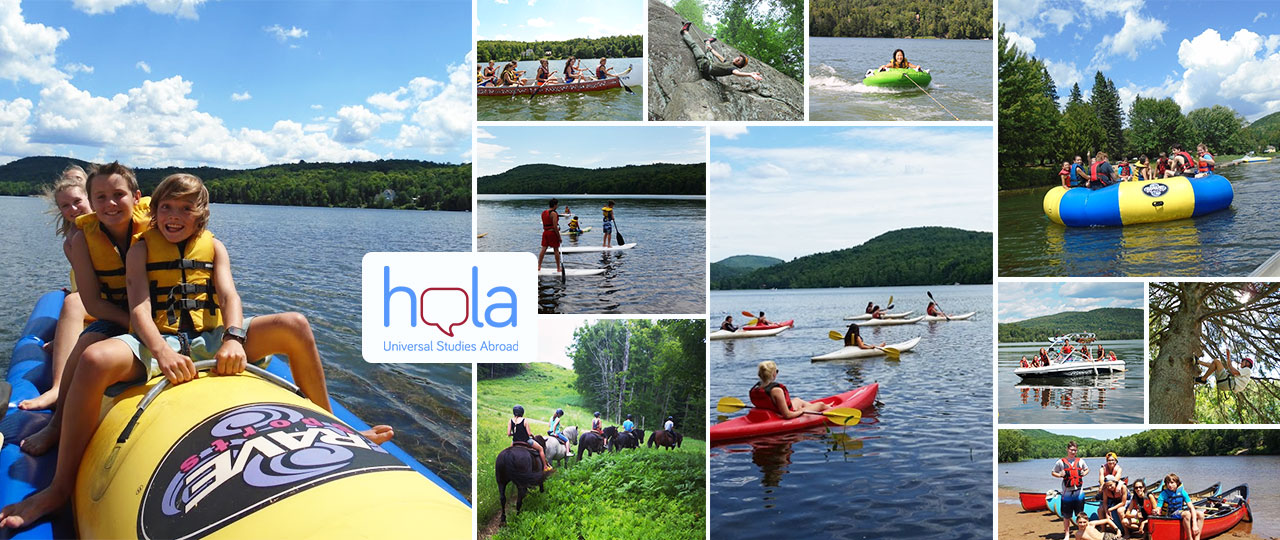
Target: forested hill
{"x": 916, "y": 256}
{"x": 1106, "y": 323}
{"x": 394, "y": 183}
{"x": 951, "y": 19}
{"x": 586, "y": 49}
{"x": 1020, "y": 444}
{"x": 655, "y": 179}
{"x": 740, "y": 264}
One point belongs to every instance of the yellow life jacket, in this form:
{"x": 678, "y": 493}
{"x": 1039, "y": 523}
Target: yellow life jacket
{"x": 181, "y": 282}
{"x": 108, "y": 258}
{"x": 608, "y": 213}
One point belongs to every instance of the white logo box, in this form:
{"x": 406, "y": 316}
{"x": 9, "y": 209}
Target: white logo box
{"x": 449, "y": 307}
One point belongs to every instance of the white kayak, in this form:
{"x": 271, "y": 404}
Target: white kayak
{"x": 1075, "y": 368}
{"x": 743, "y": 334}
{"x": 570, "y": 272}
{"x": 858, "y": 352}
{"x": 867, "y": 316}
{"x": 890, "y": 322}
{"x": 960, "y": 317}
{"x": 592, "y": 249}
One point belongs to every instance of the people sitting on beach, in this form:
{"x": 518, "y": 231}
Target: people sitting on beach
{"x": 711, "y": 69}
{"x": 900, "y": 61}
{"x": 1205, "y": 163}
{"x": 1225, "y": 375}
{"x": 545, "y": 75}
{"x": 1097, "y": 529}
{"x": 1175, "y": 502}
{"x": 768, "y": 394}
{"x": 1112, "y": 497}
{"x": 1133, "y": 518}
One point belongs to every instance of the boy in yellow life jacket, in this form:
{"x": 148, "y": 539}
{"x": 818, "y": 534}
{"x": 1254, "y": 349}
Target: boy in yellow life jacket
{"x": 97, "y": 249}
{"x": 608, "y": 224}
{"x": 574, "y": 227}
{"x": 183, "y": 305}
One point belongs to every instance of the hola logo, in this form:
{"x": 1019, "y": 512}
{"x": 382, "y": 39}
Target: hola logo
{"x": 448, "y": 307}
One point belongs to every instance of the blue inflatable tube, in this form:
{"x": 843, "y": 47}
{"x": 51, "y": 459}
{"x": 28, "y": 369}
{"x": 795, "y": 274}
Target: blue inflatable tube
{"x": 1145, "y": 201}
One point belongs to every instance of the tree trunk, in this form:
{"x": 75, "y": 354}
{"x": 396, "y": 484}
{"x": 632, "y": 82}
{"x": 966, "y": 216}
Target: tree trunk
{"x": 1173, "y": 372}
{"x": 626, "y": 362}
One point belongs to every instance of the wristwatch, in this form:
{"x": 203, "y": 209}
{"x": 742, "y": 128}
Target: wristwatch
{"x": 235, "y": 332}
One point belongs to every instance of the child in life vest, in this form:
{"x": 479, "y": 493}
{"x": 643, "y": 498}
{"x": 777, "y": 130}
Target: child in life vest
{"x": 1204, "y": 166}
{"x": 608, "y": 224}
{"x": 1175, "y": 502}
{"x": 183, "y": 307}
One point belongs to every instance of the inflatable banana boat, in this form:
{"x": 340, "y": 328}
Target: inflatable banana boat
{"x": 1145, "y": 201}
{"x": 243, "y": 456}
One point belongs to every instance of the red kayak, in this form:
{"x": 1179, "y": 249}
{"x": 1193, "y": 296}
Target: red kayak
{"x": 788, "y": 322}
{"x": 1033, "y": 501}
{"x": 1222, "y": 513}
{"x": 765, "y": 422}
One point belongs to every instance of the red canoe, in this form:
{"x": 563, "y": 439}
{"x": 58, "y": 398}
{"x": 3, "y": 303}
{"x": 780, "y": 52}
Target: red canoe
{"x": 765, "y": 422}
{"x": 589, "y": 86}
{"x": 1222, "y": 513}
{"x": 1033, "y": 501}
{"x": 788, "y": 322}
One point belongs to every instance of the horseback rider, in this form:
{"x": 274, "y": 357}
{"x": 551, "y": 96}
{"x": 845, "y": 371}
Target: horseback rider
{"x": 519, "y": 433}
{"x": 556, "y": 430}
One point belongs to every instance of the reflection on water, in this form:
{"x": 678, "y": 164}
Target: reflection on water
{"x": 1084, "y": 394}
{"x": 1053, "y": 400}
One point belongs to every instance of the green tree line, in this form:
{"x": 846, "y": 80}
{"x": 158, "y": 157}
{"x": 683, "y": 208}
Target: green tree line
{"x": 1017, "y": 445}
{"x": 950, "y": 19}
{"x": 1106, "y": 323}
{"x": 655, "y": 179}
{"x": 916, "y": 256}
{"x": 1035, "y": 130}
{"x": 769, "y": 31}
{"x": 398, "y": 183}
{"x": 605, "y": 47}
{"x": 649, "y": 369}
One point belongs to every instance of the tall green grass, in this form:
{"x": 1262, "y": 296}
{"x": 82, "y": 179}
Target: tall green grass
{"x": 643, "y": 493}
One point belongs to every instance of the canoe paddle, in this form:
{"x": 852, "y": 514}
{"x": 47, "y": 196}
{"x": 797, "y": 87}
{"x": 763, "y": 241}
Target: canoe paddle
{"x": 935, "y": 302}
{"x": 842, "y": 416}
{"x": 892, "y": 353}
{"x": 624, "y": 85}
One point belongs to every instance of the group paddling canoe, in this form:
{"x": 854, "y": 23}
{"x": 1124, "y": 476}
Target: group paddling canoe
{"x": 560, "y": 88}
{"x": 760, "y": 422}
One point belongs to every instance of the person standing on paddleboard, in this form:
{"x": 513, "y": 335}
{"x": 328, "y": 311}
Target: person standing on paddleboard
{"x": 899, "y": 62}
{"x": 710, "y": 69}
{"x": 770, "y": 395}
{"x": 1072, "y": 470}
{"x": 551, "y": 234}
{"x": 608, "y": 224}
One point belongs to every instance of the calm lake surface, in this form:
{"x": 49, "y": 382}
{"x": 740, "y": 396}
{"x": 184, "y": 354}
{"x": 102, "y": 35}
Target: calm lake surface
{"x": 918, "y": 466}
{"x": 1078, "y": 400}
{"x": 665, "y": 272}
{"x": 1232, "y": 242}
{"x": 305, "y": 260}
{"x": 961, "y": 69}
{"x": 615, "y": 104}
{"x": 1262, "y": 473}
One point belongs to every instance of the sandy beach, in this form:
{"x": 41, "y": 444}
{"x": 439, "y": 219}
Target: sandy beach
{"x": 1013, "y": 522}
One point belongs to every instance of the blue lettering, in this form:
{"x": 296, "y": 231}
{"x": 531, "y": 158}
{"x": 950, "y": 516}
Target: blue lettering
{"x": 475, "y": 298}
{"x": 509, "y": 306}
{"x": 387, "y": 292}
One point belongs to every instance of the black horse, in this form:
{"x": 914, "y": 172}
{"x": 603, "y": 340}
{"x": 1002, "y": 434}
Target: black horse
{"x": 519, "y": 464}
{"x": 593, "y": 442}
{"x": 663, "y": 438}
{"x": 630, "y": 439}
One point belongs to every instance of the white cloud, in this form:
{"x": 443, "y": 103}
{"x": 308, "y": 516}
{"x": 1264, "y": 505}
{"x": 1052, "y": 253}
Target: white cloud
{"x": 1021, "y": 15}
{"x": 442, "y": 113}
{"x": 27, "y": 49}
{"x": 1064, "y": 74}
{"x": 241, "y": 96}
{"x": 1138, "y": 32}
{"x": 728, "y": 130}
{"x": 145, "y": 67}
{"x": 503, "y": 2}
{"x": 356, "y": 124}
{"x": 77, "y": 68}
{"x": 1260, "y": 15}
{"x": 719, "y": 170}
{"x": 183, "y": 9}
{"x": 15, "y": 130}
{"x": 531, "y": 2}
{"x": 389, "y": 100}
{"x": 1023, "y": 43}
{"x": 283, "y": 34}
{"x": 539, "y": 22}
{"x": 317, "y": 106}
{"x": 1059, "y": 17}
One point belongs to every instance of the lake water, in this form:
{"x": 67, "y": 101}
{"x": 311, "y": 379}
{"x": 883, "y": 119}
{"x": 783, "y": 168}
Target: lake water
{"x": 1078, "y": 400}
{"x": 918, "y": 466}
{"x": 305, "y": 260}
{"x": 1232, "y": 242}
{"x": 665, "y": 272}
{"x": 962, "y": 79}
{"x": 615, "y": 104}
{"x": 1262, "y": 473}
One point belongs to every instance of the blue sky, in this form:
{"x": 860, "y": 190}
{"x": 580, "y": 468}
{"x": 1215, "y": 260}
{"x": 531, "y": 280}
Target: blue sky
{"x": 791, "y": 191}
{"x": 499, "y": 148}
{"x": 558, "y": 20}
{"x": 1025, "y": 300}
{"x": 235, "y": 83}
{"x": 1200, "y": 53}
{"x": 1097, "y": 433}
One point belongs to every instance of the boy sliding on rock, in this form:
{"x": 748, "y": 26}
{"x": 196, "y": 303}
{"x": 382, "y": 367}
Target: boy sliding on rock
{"x": 711, "y": 69}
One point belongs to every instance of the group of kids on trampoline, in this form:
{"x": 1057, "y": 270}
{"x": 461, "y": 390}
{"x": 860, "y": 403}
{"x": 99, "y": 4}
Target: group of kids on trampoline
{"x": 151, "y": 293}
{"x": 1099, "y": 173}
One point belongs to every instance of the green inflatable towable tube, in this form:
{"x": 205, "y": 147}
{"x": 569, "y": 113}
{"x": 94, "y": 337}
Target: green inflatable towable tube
{"x": 897, "y": 78}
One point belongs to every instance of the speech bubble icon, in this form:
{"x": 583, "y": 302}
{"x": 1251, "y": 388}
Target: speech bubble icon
{"x": 444, "y": 307}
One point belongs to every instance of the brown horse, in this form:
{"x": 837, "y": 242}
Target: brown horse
{"x": 520, "y": 464}
{"x": 663, "y": 438}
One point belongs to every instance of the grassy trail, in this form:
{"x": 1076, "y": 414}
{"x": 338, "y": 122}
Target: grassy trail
{"x": 632, "y": 494}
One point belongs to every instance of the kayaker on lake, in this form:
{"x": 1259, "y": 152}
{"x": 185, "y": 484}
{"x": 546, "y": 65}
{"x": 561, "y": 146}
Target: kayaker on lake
{"x": 1093, "y": 530}
{"x": 870, "y": 308}
{"x": 771, "y": 395}
{"x": 899, "y": 61}
{"x": 1100, "y": 173}
{"x": 1205, "y": 164}
{"x": 573, "y": 223}
{"x": 877, "y": 313}
{"x": 853, "y": 338}
{"x": 550, "y": 234}
{"x": 519, "y": 433}
{"x": 556, "y": 430}
{"x": 761, "y": 321}
{"x": 1225, "y": 375}
{"x": 608, "y": 224}
{"x": 1179, "y": 506}
{"x": 1072, "y": 470}
{"x": 934, "y": 311}
{"x": 728, "y": 324}
{"x": 711, "y": 69}
{"x": 546, "y": 76}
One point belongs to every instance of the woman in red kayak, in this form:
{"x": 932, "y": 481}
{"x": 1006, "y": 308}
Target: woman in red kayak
{"x": 771, "y": 395}
{"x": 761, "y": 321}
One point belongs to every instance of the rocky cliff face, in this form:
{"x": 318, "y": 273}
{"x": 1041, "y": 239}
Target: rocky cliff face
{"x": 678, "y": 91}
